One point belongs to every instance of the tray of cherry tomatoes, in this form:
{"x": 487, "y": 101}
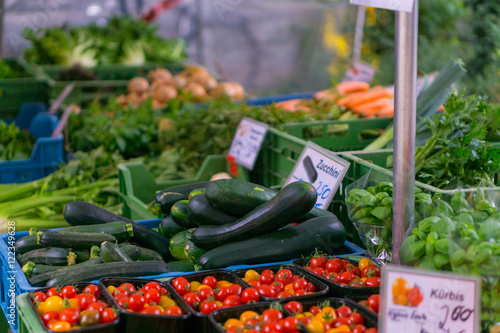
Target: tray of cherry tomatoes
{"x": 370, "y": 302}
{"x": 278, "y": 282}
{"x": 81, "y": 307}
{"x": 344, "y": 276}
{"x": 147, "y": 305}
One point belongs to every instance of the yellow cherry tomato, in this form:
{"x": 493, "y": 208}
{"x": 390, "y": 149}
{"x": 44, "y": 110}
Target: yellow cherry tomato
{"x": 201, "y": 286}
{"x": 299, "y": 315}
{"x": 252, "y": 275}
{"x": 308, "y": 314}
{"x": 219, "y": 304}
{"x": 166, "y": 302}
{"x": 315, "y": 326}
{"x": 289, "y": 288}
{"x": 340, "y": 329}
{"x": 223, "y": 283}
{"x": 194, "y": 285}
{"x": 364, "y": 279}
{"x": 72, "y": 303}
{"x": 111, "y": 289}
{"x": 76, "y": 327}
{"x": 54, "y": 303}
{"x": 40, "y": 308}
{"x": 233, "y": 323}
{"x": 248, "y": 315}
{"x": 60, "y": 326}
{"x": 365, "y": 262}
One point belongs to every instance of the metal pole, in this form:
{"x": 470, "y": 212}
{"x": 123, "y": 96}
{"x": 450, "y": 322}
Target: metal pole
{"x": 358, "y": 35}
{"x": 2, "y": 11}
{"x": 405, "y": 119}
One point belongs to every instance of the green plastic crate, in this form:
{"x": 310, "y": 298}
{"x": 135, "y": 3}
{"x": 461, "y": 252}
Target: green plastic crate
{"x": 112, "y": 80}
{"x": 27, "y": 321}
{"x": 138, "y": 187}
{"x": 338, "y": 135}
{"x": 14, "y": 92}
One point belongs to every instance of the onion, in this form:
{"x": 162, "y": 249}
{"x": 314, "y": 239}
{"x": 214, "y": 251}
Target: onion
{"x": 160, "y": 75}
{"x": 234, "y": 90}
{"x": 137, "y": 98}
{"x": 196, "y": 91}
{"x": 209, "y": 82}
{"x": 180, "y": 81}
{"x": 163, "y": 93}
{"x": 138, "y": 85}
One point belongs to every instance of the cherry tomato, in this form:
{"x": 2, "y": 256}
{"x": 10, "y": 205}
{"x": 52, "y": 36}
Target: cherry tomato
{"x": 250, "y": 295}
{"x": 267, "y": 277}
{"x": 284, "y": 276}
{"x": 207, "y": 307}
{"x": 121, "y": 299}
{"x": 152, "y": 295}
{"x": 60, "y": 326}
{"x": 85, "y": 300}
{"x": 277, "y": 286}
{"x": 370, "y": 271}
{"x": 182, "y": 286}
{"x": 340, "y": 321}
{"x": 373, "y": 281}
{"x": 318, "y": 262}
{"x": 271, "y": 315}
{"x": 96, "y": 306}
{"x": 363, "y": 263}
{"x": 152, "y": 285}
{"x": 310, "y": 287}
{"x": 173, "y": 311}
{"x": 272, "y": 327}
{"x": 136, "y": 302}
{"x": 108, "y": 315}
{"x": 128, "y": 287}
{"x": 346, "y": 277}
{"x": 70, "y": 315}
{"x": 123, "y": 291}
{"x": 344, "y": 311}
{"x": 163, "y": 291}
{"x": 68, "y": 292}
{"x": 289, "y": 324}
{"x": 221, "y": 293}
{"x": 205, "y": 293}
{"x": 359, "y": 329}
{"x": 373, "y": 302}
{"x": 72, "y": 303}
{"x": 300, "y": 292}
{"x": 49, "y": 315}
{"x": 372, "y": 330}
{"x": 154, "y": 310}
{"x": 38, "y": 296}
{"x": 89, "y": 318}
{"x": 54, "y": 303}
{"x": 235, "y": 289}
{"x": 192, "y": 299}
{"x": 353, "y": 268}
{"x": 334, "y": 266}
{"x": 356, "y": 318}
{"x": 283, "y": 294}
{"x": 266, "y": 291}
{"x": 320, "y": 271}
{"x": 232, "y": 300}
{"x": 92, "y": 289}
{"x": 177, "y": 280}
{"x": 315, "y": 309}
{"x": 294, "y": 307}
{"x": 51, "y": 323}
{"x": 300, "y": 284}
{"x": 254, "y": 283}
{"x": 210, "y": 281}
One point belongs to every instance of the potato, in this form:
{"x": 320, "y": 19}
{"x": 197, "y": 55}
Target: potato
{"x": 163, "y": 93}
{"x": 196, "y": 91}
{"x": 160, "y": 75}
{"x": 234, "y": 90}
{"x": 179, "y": 81}
{"x": 138, "y": 85}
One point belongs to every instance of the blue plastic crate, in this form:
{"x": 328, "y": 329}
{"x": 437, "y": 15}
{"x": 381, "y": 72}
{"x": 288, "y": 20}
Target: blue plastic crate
{"x": 278, "y": 98}
{"x": 45, "y": 158}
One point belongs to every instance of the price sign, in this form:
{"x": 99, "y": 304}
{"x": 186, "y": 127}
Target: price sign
{"x": 361, "y": 71}
{"x": 423, "y": 301}
{"x": 247, "y": 142}
{"x": 399, "y": 5}
{"x": 323, "y": 169}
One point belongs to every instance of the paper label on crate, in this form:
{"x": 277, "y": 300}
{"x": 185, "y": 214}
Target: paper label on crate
{"x": 323, "y": 169}
{"x": 424, "y": 301}
{"x": 399, "y": 5}
{"x": 247, "y": 142}
{"x": 360, "y": 71}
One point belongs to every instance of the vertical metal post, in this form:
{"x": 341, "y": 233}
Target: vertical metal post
{"x": 358, "y": 34}
{"x": 2, "y": 12}
{"x": 404, "y": 125}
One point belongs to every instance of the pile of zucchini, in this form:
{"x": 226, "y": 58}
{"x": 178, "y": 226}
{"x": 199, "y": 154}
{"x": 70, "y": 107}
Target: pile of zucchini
{"x": 228, "y": 222}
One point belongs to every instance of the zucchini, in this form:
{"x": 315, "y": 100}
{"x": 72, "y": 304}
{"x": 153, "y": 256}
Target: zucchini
{"x": 26, "y": 244}
{"x": 110, "y": 269}
{"x": 202, "y": 213}
{"x": 94, "y": 252}
{"x": 111, "y": 252}
{"x": 293, "y": 200}
{"x": 82, "y": 255}
{"x": 168, "y": 227}
{"x": 34, "y": 230}
{"x": 120, "y": 230}
{"x": 132, "y": 251}
{"x": 177, "y": 244}
{"x": 48, "y": 256}
{"x": 180, "y": 266}
{"x": 41, "y": 279}
{"x": 192, "y": 252}
{"x": 81, "y": 213}
{"x": 168, "y": 197}
{"x": 179, "y": 214}
{"x": 73, "y": 240}
{"x": 325, "y": 233}
{"x": 31, "y": 269}
{"x": 140, "y": 253}
{"x": 238, "y": 198}
{"x": 196, "y": 192}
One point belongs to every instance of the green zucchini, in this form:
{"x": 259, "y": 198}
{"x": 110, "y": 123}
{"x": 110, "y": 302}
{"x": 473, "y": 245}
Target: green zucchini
{"x": 82, "y": 255}
{"x": 94, "y": 252}
{"x": 111, "y": 252}
{"x": 177, "y": 244}
{"x": 41, "y": 279}
{"x": 238, "y": 198}
{"x": 202, "y": 213}
{"x": 192, "y": 252}
{"x": 122, "y": 231}
{"x": 30, "y": 269}
{"x": 293, "y": 200}
{"x": 166, "y": 198}
{"x": 73, "y": 240}
{"x": 325, "y": 233}
{"x": 132, "y": 251}
{"x": 26, "y": 244}
{"x": 111, "y": 269}
{"x": 168, "y": 227}
{"x": 179, "y": 214}
{"x": 84, "y": 213}
{"x": 180, "y": 266}
{"x": 48, "y": 256}
{"x": 140, "y": 253}
{"x": 196, "y": 192}
{"x": 34, "y": 230}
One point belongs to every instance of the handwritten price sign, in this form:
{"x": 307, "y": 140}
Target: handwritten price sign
{"x": 422, "y": 301}
{"x": 399, "y": 5}
{"x": 247, "y": 142}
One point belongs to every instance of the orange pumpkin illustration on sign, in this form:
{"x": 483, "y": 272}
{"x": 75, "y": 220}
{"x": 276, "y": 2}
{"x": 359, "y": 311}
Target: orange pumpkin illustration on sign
{"x": 402, "y": 294}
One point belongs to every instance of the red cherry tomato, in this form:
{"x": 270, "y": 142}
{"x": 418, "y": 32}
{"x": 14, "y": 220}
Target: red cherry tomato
{"x": 123, "y": 291}
{"x": 318, "y": 262}
{"x": 283, "y": 294}
{"x": 177, "y": 280}
{"x": 70, "y": 315}
{"x": 68, "y": 292}
{"x": 192, "y": 299}
{"x": 311, "y": 287}
{"x": 272, "y": 327}
{"x": 277, "y": 286}
{"x": 128, "y": 287}
{"x": 53, "y": 292}
{"x": 250, "y": 295}
{"x": 346, "y": 277}
{"x": 289, "y": 324}
{"x": 182, "y": 286}
{"x": 359, "y": 329}
{"x": 49, "y": 315}
{"x": 207, "y": 307}
{"x": 121, "y": 299}
{"x": 95, "y": 306}
{"x": 232, "y": 300}
{"x": 154, "y": 310}
{"x": 294, "y": 307}
{"x": 373, "y": 302}
{"x": 210, "y": 281}
{"x": 39, "y": 296}
{"x": 370, "y": 270}
{"x": 271, "y": 315}
{"x": 136, "y": 302}
{"x": 340, "y": 321}
{"x": 93, "y": 289}
{"x": 267, "y": 277}
{"x": 108, "y": 315}
{"x": 221, "y": 293}
{"x": 163, "y": 291}
{"x": 356, "y": 318}
{"x": 300, "y": 292}
{"x": 334, "y": 266}
{"x": 300, "y": 284}
{"x": 372, "y": 330}
{"x": 315, "y": 309}
{"x": 353, "y": 268}
{"x": 205, "y": 293}
{"x": 152, "y": 285}
{"x": 344, "y": 311}
{"x": 235, "y": 289}
{"x": 173, "y": 311}
{"x": 254, "y": 283}
{"x": 373, "y": 281}
{"x": 266, "y": 291}
{"x": 284, "y": 276}
{"x": 320, "y": 271}
{"x": 85, "y": 300}
{"x": 152, "y": 296}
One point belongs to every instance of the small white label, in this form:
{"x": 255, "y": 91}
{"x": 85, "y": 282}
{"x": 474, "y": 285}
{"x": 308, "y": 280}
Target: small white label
{"x": 423, "y": 301}
{"x": 361, "y": 71}
{"x": 321, "y": 168}
{"x": 399, "y": 5}
{"x": 247, "y": 142}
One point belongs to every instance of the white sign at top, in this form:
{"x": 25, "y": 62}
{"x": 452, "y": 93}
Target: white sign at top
{"x": 398, "y": 5}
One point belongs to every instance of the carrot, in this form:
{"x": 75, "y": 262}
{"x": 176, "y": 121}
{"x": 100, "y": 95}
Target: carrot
{"x": 355, "y": 96}
{"x": 352, "y": 86}
{"x": 377, "y": 104}
{"x": 323, "y": 94}
{"x": 387, "y": 111}
{"x": 293, "y": 105}
{"x": 368, "y": 96}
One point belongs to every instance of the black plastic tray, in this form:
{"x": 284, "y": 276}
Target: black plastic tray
{"x": 139, "y": 322}
{"x": 336, "y": 289}
{"x": 200, "y": 320}
{"x": 369, "y": 316}
{"x": 321, "y": 288}
{"x": 99, "y": 328}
